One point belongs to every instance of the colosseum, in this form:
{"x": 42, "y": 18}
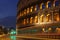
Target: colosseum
{"x": 38, "y": 17}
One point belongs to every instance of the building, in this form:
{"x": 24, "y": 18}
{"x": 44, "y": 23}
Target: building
{"x": 37, "y": 16}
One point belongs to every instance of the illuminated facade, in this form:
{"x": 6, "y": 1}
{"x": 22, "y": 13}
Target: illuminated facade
{"x": 34, "y": 16}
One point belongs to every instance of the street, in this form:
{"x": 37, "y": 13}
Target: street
{"x": 4, "y": 38}
{"x": 8, "y": 37}
{"x": 24, "y": 37}
{"x": 29, "y": 37}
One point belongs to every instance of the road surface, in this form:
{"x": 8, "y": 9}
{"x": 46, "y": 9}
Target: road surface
{"x": 32, "y": 37}
{"x": 23, "y": 37}
{"x": 8, "y": 37}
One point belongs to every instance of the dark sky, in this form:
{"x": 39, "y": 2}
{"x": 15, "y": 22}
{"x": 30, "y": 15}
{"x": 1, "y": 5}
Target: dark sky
{"x": 8, "y": 8}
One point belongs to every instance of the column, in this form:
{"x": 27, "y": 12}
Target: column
{"x": 27, "y": 10}
{"x": 27, "y": 20}
{"x": 41, "y": 5}
{"x": 45, "y": 17}
{"x": 52, "y": 17}
{"x": 39, "y": 17}
{"x": 31, "y": 9}
{"x": 52, "y": 3}
{"x": 33, "y": 20}
{"x": 59, "y": 14}
{"x": 47, "y": 4}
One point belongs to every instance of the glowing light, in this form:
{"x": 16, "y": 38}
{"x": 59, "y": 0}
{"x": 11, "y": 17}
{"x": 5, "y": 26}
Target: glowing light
{"x": 41, "y": 5}
{"x": 31, "y": 19}
{"x": 43, "y": 30}
{"x": 13, "y": 32}
{"x": 58, "y": 30}
{"x": 35, "y": 8}
{"x": 49, "y": 28}
{"x": 36, "y": 19}
{"x": 13, "y": 37}
{"x": 27, "y": 20}
{"x": 27, "y": 10}
{"x": 31, "y": 9}
{"x": 48, "y": 14}
{"x": 24, "y": 21}
{"x": 42, "y": 15}
{"x": 41, "y": 18}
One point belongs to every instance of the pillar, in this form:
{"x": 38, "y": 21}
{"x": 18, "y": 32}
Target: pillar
{"x": 39, "y": 17}
{"x": 27, "y": 10}
{"x": 47, "y": 4}
{"x": 52, "y": 16}
{"x": 45, "y": 17}
{"x": 52, "y": 4}
{"x": 59, "y": 14}
{"x": 41, "y": 5}
{"x": 33, "y": 20}
{"x": 31, "y": 9}
{"x": 27, "y": 20}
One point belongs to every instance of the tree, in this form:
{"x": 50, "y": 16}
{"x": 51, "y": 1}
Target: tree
{"x": 5, "y": 30}
{"x": 1, "y": 30}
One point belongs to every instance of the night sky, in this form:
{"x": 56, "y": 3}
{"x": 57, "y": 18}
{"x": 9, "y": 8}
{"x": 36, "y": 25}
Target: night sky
{"x": 8, "y": 8}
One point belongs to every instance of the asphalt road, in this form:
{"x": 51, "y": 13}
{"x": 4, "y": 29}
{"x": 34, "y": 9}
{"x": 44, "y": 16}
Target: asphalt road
{"x": 8, "y": 37}
{"x": 29, "y": 37}
{"x": 23, "y": 37}
{"x": 4, "y": 38}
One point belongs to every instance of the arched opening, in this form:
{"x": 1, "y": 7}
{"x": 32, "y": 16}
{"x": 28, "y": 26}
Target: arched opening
{"x": 31, "y": 9}
{"x": 49, "y": 4}
{"x": 36, "y": 19}
{"x": 42, "y": 18}
{"x": 58, "y": 30}
{"x": 43, "y": 6}
{"x": 31, "y": 20}
{"x": 27, "y": 20}
{"x": 35, "y": 7}
{"x": 48, "y": 18}
{"x": 27, "y": 10}
{"x": 24, "y": 21}
{"x": 49, "y": 29}
{"x": 56, "y": 17}
{"x": 56, "y": 3}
